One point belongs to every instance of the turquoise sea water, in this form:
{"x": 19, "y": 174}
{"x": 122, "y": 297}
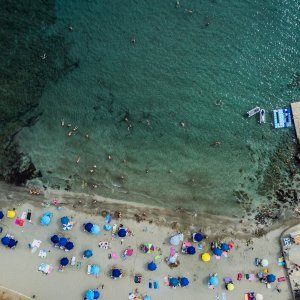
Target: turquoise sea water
{"x": 243, "y": 53}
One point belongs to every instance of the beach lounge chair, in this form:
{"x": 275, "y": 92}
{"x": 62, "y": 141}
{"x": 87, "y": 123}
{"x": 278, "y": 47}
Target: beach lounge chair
{"x": 239, "y": 276}
{"x": 73, "y": 261}
{"x": 89, "y": 269}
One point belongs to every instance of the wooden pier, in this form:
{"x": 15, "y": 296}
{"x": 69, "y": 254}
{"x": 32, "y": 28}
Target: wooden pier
{"x": 296, "y": 116}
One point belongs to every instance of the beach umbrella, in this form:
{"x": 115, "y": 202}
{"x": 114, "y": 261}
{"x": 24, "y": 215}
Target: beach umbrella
{"x": 191, "y": 250}
{"x": 147, "y": 297}
{"x": 62, "y": 242}
{"x": 69, "y": 246}
{"x": 5, "y": 240}
{"x": 205, "y": 257}
{"x": 224, "y": 247}
{"x": 129, "y": 252}
{"x": 116, "y": 273}
{"x": 217, "y": 251}
{"x": 88, "y": 253}
{"x": 1, "y": 215}
{"x": 259, "y": 297}
{"x": 64, "y": 220}
{"x": 230, "y": 245}
{"x": 213, "y": 280}
{"x": 45, "y": 220}
{"x": 152, "y": 266}
{"x": 96, "y": 295}
{"x": 95, "y": 270}
{"x": 172, "y": 259}
{"x": 107, "y": 227}
{"x": 95, "y": 229}
{"x": 230, "y": 287}
{"x": 55, "y": 239}
{"x": 88, "y": 227}
{"x": 264, "y": 262}
{"x": 148, "y": 248}
{"x": 67, "y": 226}
{"x": 12, "y": 243}
{"x": 89, "y": 295}
{"x": 198, "y": 237}
{"x": 122, "y": 232}
{"x": 175, "y": 240}
{"x": 64, "y": 261}
{"x": 11, "y": 214}
{"x": 184, "y": 281}
{"x": 107, "y": 219}
{"x": 173, "y": 281}
{"x": 271, "y": 278}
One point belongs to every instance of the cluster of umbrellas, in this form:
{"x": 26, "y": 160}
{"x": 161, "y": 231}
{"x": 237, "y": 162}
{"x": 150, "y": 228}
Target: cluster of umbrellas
{"x": 174, "y": 282}
{"x": 219, "y": 249}
{"x": 92, "y": 228}
{"x": 62, "y": 242}
{"x": 116, "y": 273}
{"x": 9, "y": 242}
{"x": 46, "y": 218}
{"x": 66, "y": 224}
{"x": 91, "y": 295}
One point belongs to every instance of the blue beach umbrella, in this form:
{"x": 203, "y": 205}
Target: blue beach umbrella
{"x": 224, "y": 247}
{"x": 96, "y": 295}
{"x": 1, "y": 215}
{"x": 147, "y": 297}
{"x": 55, "y": 239}
{"x": 95, "y": 229}
{"x": 152, "y": 266}
{"x": 64, "y": 220}
{"x": 107, "y": 227}
{"x": 213, "y": 280}
{"x": 173, "y": 281}
{"x": 64, "y": 261}
{"x": 12, "y": 243}
{"x": 184, "y": 281}
{"x": 198, "y": 237}
{"x": 217, "y": 251}
{"x": 122, "y": 232}
{"x": 271, "y": 278}
{"x": 5, "y": 240}
{"x": 116, "y": 273}
{"x": 45, "y": 220}
{"x": 88, "y": 227}
{"x": 89, "y": 295}
{"x": 69, "y": 246}
{"x": 191, "y": 250}
{"x": 88, "y": 253}
{"x": 95, "y": 270}
{"x": 62, "y": 242}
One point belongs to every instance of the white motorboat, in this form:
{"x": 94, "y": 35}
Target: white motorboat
{"x": 253, "y": 111}
{"x": 262, "y": 116}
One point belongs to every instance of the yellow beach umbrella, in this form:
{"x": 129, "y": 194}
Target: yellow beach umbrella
{"x": 230, "y": 287}
{"x": 205, "y": 257}
{"x": 11, "y": 214}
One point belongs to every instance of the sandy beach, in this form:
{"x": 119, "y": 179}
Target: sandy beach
{"x": 20, "y": 265}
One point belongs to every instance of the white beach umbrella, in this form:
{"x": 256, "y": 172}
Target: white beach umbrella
{"x": 259, "y": 297}
{"x": 172, "y": 259}
{"x": 264, "y": 262}
{"x": 176, "y": 239}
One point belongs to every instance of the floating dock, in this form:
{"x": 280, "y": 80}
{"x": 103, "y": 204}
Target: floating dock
{"x": 282, "y": 118}
{"x": 296, "y": 116}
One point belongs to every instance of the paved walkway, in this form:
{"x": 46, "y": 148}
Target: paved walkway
{"x": 291, "y": 253}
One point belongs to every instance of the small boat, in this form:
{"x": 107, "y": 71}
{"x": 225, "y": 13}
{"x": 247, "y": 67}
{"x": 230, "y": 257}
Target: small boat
{"x": 253, "y": 111}
{"x": 262, "y": 116}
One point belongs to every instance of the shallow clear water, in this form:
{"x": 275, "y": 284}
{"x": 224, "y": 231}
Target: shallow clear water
{"x": 176, "y": 71}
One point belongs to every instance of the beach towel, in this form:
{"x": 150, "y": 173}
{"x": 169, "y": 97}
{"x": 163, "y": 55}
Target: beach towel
{"x": 114, "y": 229}
{"x": 73, "y": 261}
{"x": 150, "y": 284}
{"x": 43, "y": 253}
{"x": 44, "y": 268}
{"x": 172, "y": 251}
{"x": 104, "y": 245}
{"x": 156, "y": 285}
{"x": 114, "y": 255}
{"x": 166, "y": 280}
{"x": 217, "y": 257}
{"x": 223, "y": 296}
{"x": 78, "y": 265}
{"x": 281, "y": 261}
{"x": 281, "y": 279}
{"x": 239, "y": 276}
{"x": 89, "y": 269}
{"x": 228, "y": 280}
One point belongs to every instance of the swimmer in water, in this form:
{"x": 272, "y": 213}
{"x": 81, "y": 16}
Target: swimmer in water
{"x": 62, "y": 122}
{"x": 78, "y": 160}
{"x": 177, "y": 4}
